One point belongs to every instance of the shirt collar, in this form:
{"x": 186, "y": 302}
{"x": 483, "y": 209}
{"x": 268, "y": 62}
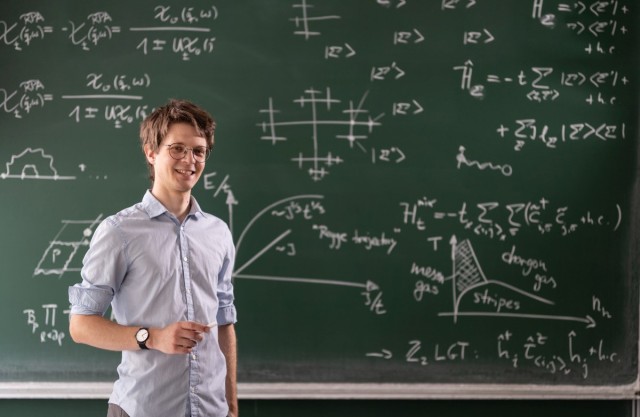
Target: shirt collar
{"x": 195, "y": 208}
{"x": 154, "y": 208}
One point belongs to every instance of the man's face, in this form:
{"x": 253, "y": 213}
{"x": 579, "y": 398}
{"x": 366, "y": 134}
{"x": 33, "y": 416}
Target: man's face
{"x": 178, "y": 175}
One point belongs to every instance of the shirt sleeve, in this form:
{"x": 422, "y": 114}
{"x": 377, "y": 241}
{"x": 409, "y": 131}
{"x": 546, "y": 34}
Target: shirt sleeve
{"x": 226, "y": 309}
{"x": 103, "y": 270}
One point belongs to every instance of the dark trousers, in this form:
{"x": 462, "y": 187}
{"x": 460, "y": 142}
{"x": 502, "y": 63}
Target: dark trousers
{"x": 116, "y": 411}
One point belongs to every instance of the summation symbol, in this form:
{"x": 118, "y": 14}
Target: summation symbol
{"x": 358, "y": 121}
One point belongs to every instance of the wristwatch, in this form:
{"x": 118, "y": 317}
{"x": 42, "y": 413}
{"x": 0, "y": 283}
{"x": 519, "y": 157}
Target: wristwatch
{"x": 142, "y": 335}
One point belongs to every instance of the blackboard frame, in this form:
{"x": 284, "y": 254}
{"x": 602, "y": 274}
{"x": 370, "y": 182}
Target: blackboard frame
{"x": 268, "y": 391}
{"x": 466, "y": 181}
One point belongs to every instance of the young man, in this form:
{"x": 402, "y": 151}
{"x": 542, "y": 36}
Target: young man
{"x": 165, "y": 267}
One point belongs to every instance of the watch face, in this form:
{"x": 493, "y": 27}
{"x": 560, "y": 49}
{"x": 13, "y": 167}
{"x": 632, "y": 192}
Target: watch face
{"x": 142, "y": 335}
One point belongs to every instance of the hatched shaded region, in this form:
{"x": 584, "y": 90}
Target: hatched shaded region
{"x": 467, "y": 269}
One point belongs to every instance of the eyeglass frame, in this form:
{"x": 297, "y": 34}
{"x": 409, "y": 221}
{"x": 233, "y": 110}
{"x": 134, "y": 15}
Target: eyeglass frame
{"x": 187, "y": 149}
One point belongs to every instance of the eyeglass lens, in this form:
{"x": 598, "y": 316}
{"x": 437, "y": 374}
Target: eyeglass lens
{"x": 179, "y": 151}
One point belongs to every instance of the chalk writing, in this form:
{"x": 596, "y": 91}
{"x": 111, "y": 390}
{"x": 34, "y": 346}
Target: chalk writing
{"x": 96, "y": 28}
{"x": 339, "y": 51}
{"x": 167, "y": 14}
{"x": 49, "y": 331}
{"x": 408, "y": 37}
{"x": 539, "y": 216}
{"x": 337, "y": 239}
{"x": 373, "y": 299}
{"x": 546, "y": 82}
{"x": 119, "y": 82}
{"x": 391, "y": 71}
{"x": 392, "y": 155}
{"x": 185, "y": 46}
{"x": 522, "y": 350}
{"x": 99, "y": 27}
{"x": 535, "y": 350}
{"x": 396, "y": 4}
{"x": 526, "y": 131}
{"x": 478, "y": 37}
{"x": 28, "y": 96}
{"x": 29, "y": 27}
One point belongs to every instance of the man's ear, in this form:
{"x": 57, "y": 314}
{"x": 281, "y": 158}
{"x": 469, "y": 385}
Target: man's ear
{"x": 150, "y": 154}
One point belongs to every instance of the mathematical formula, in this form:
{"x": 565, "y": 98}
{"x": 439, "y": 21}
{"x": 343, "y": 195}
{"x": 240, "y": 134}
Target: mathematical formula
{"x": 183, "y": 31}
{"x": 517, "y": 349}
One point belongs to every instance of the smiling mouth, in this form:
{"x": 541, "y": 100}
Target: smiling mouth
{"x": 185, "y": 171}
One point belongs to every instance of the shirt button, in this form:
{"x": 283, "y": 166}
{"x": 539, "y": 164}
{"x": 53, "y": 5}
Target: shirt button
{"x": 184, "y": 259}
{"x": 193, "y": 389}
{"x": 193, "y": 356}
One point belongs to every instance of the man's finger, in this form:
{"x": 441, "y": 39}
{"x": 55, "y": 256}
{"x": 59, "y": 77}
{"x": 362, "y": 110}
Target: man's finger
{"x": 192, "y": 325}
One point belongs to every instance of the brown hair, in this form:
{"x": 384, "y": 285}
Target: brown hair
{"x": 155, "y": 126}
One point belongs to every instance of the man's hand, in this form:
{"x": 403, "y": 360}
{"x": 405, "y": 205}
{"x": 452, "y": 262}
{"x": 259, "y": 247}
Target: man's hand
{"x": 177, "y": 338}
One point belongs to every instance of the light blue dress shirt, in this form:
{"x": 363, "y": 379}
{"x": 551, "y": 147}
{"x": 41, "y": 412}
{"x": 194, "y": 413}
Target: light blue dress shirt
{"x": 155, "y": 271}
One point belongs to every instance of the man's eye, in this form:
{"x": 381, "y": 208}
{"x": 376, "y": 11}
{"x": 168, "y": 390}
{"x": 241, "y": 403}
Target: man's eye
{"x": 178, "y": 148}
{"x": 200, "y": 152}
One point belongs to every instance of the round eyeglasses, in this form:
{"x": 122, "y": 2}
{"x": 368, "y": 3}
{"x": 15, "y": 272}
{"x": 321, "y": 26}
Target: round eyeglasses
{"x": 179, "y": 151}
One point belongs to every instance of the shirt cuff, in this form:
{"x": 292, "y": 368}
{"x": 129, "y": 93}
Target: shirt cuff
{"x": 89, "y": 301}
{"x": 226, "y": 315}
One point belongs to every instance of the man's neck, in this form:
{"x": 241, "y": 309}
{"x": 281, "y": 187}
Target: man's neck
{"x": 177, "y": 204}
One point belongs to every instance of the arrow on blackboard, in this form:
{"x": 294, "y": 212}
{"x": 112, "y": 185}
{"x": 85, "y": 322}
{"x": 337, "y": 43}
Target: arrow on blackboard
{"x": 384, "y": 354}
{"x": 369, "y": 285}
{"x": 231, "y": 201}
{"x": 588, "y": 320}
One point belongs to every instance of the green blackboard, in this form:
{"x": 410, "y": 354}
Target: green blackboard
{"x": 425, "y": 192}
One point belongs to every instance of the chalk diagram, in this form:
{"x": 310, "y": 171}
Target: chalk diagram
{"x": 371, "y": 291}
{"x": 66, "y": 250}
{"x": 32, "y": 164}
{"x": 357, "y": 120}
{"x": 468, "y": 276}
{"x": 61, "y": 256}
{"x": 304, "y": 20}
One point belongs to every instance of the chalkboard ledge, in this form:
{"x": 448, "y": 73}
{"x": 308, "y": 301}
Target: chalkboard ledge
{"x": 102, "y": 390}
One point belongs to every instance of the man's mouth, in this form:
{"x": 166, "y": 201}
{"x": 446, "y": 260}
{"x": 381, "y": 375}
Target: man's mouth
{"x": 185, "y": 171}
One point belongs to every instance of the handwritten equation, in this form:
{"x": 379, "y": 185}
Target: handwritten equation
{"x": 46, "y": 323}
{"x": 184, "y": 31}
{"x": 504, "y": 220}
{"x": 114, "y": 90}
{"x": 525, "y": 131}
{"x": 546, "y": 84}
{"x": 518, "y": 349}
